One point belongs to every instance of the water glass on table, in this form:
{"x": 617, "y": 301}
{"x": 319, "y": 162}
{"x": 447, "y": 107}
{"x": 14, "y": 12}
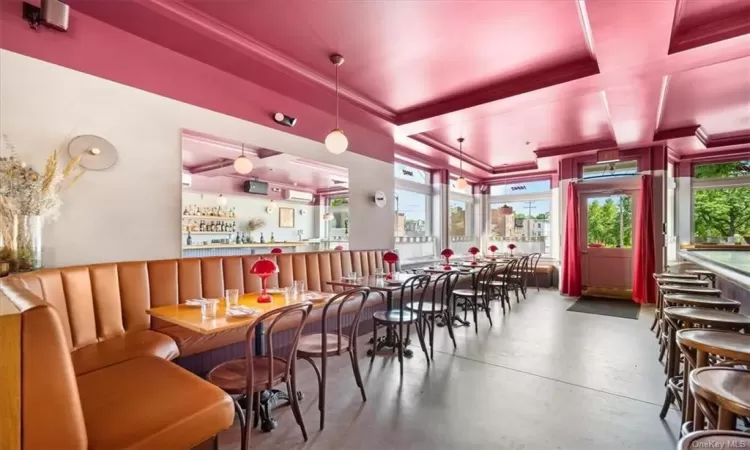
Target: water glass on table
{"x": 209, "y": 308}
{"x": 232, "y": 297}
{"x": 300, "y": 287}
{"x": 289, "y": 294}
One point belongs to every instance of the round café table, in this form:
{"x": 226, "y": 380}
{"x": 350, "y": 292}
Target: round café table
{"x": 714, "y": 439}
{"x": 722, "y": 394}
{"x": 697, "y": 346}
{"x": 681, "y": 317}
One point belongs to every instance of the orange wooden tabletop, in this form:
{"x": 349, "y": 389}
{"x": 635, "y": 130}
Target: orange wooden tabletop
{"x": 190, "y": 316}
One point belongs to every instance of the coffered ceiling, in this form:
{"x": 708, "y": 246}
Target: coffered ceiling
{"x": 525, "y": 82}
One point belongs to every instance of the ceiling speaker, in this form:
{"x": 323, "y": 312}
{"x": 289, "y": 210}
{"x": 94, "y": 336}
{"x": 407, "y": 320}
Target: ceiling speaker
{"x": 97, "y": 152}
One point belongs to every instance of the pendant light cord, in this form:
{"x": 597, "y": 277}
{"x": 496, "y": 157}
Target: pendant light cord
{"x": 337, "y": 96}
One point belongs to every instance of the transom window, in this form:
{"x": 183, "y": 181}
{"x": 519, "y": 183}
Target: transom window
{"x": 608, "y": 170}
{"x": 408, "y": 173}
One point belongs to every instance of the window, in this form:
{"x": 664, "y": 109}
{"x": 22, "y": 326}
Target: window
{"x": 411, "y": 213}
{"x": 617, "y": 169}
{"x": 337, "y": 228}
{"x": 525, "y": 224}
{"x": 610, "y": 221}
{"x": 407, "y": 173}
{"x": 458, "y": 214}
{"x": 721, "y": 202}
{"x": 529, "y": 187}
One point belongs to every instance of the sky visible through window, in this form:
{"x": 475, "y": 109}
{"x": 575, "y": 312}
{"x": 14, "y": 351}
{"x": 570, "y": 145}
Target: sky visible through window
{"x": 411, "y": 204}
{"x": 529, "y": 187}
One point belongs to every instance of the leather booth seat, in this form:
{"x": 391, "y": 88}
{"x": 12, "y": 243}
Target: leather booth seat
{"x": 139, "y": 403}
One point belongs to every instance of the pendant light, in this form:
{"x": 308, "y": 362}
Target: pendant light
{"x": 243, "y": 165}
{"x": 505, "y": 209}
{"x": 221, "y": 201}
{"x": 336, "y": 141}
{"x": 461, "y": 182}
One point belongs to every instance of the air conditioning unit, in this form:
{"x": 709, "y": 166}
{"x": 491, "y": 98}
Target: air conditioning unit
{"x": 187, "y": 179}
{"x": 298, "y": 196}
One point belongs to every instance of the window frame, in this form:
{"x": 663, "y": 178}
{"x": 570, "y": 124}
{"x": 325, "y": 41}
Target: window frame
{"x": 522, "y": 197}
{"x": 702, "y": 184}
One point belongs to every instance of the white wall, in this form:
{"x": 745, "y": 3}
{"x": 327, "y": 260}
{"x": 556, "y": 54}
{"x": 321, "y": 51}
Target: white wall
{"x": 133, "y": 211}
{"x": 255, "y": 208}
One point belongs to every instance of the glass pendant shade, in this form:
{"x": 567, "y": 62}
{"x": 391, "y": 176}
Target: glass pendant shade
{"x": 336, "y": 141}
{"x": 221, "y": 201}
{"x": 243, "y": 165}
{"x": 461, "y": 183}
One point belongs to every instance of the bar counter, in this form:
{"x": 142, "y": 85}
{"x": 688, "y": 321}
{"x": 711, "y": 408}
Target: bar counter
{"x": 732, "y": 269}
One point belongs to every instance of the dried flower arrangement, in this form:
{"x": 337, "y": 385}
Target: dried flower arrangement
{"x": 255, "y": 224}
{"x": 26, "y": 192}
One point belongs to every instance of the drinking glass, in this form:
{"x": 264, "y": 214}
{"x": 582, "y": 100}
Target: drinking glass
{"x": 379, "y": 273}
{"x": 289, "y": 294}
{"x": 209, "y": 308}
{"x": 300, "y": 287}
{"x": 232, "y": 297}
{"x": 353, "y": 276}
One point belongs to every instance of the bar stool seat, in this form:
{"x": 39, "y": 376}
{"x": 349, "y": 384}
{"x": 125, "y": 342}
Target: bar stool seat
{"x": 697, "y": 346}
{"x": 714, "y": 439}
{"x": 681, "y": 317}
{"x": 703, "y": 273}
{"x": 679, "y": 289}
{"x": 722, "y": 394}
{"x": 682, "y": 281}
{"x": 687, "y": 276}
{"x": 702, "y": 301}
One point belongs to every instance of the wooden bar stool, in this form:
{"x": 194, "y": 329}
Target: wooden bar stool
{"x": 679, "y": 317}
{"x": 703, "y": 274}
{"x": 700, "y": 347}
{"x": 714, "y": 439}
{"x": 722, "y": 394}
{"x": 659, "y": 307}
{"x": 675, "y": 288}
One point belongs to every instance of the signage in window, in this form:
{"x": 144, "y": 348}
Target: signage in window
{"x": 518, "y": 188}
{"x": 407, "y": 173}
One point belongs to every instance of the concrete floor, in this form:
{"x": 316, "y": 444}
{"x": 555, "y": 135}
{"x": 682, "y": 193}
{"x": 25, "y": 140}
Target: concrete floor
{"x": 541, "y": 378}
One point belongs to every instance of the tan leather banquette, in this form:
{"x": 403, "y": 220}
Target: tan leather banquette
{"x": 103, "y": 306}
{"x": 92, "y": 356}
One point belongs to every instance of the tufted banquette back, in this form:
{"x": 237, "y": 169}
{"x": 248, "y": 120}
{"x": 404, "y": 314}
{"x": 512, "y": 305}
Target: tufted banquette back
{"x": 103, "y": 301}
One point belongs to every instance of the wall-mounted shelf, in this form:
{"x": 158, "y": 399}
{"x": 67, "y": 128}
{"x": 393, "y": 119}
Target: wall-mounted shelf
{"x": 230, "y": 219}
{"x": 209, "y": 232}
{"x": 254, "y": 245}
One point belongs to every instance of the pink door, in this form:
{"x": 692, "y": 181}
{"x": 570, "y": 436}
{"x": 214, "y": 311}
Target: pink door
{"x": 606, "y": 242}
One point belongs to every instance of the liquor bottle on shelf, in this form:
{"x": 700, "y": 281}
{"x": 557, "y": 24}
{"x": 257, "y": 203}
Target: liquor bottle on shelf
{"x": 185, "y": 212}
{"x": 202, "y": 226}
{"x": 272, "y": 240}
{"x": 262, "y": 239}
{"x": 189, "y": 239}
{"x": 237, "y": 239}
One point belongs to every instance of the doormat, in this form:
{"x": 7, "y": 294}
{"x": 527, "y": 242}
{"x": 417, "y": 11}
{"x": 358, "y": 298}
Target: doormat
{"x": 626, "y": 309}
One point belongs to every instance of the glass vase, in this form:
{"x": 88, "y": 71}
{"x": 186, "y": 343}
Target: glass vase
{"x": 27, "y": 243}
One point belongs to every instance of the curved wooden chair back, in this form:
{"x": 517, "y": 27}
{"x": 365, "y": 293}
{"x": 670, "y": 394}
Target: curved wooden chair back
{"x": 297, "y": 313}
{"x": 337, "y": 303}
{"x": 413, "y": 290}
{"x": 442, "y": 289}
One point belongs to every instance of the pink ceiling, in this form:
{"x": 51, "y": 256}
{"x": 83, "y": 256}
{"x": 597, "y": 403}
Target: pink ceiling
{"x": 404, "y": 54}
{"x": 715, "y": 97}
{"x": 512, "y": 137}
{"x": 565, "y": 76}
{"x": 212, "y": 157}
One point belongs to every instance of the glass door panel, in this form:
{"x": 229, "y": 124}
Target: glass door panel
{"x": 609, "y": 221}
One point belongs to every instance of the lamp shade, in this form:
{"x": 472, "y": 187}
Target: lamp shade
{"x": 461, "y": 183}
{"x": 493, "y": 248}
{"x": 473, "y": 250}
{"x": 264, "y": 268}
{"x": 243, "y": 165}
{"x": 336, "y": 141}
{"x": 447, "y": 253}
{"x": 511, "y": 246}
{"x": 276, "y": 250}
{"x": 339, "y": 247}
{"x": 390, "y": 257}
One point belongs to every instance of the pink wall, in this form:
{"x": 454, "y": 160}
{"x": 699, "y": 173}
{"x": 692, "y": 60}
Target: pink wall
{"x": 99, "y": 49}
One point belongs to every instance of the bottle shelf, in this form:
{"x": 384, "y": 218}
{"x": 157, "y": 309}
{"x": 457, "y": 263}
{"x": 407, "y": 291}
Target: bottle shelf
{"x": 209, "y": 232}
{"x": 253, "y": 245}
{"x": 229, "y": 219}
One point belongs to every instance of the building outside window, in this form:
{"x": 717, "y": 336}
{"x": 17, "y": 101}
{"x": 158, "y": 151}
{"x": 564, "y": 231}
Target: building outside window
{"x": 337, "y": 227}
{"x": 457, "y": 220}
{"x": 520, "y": 214}
{"x": 461, "y": 218}
{"x": 721, "y": 202}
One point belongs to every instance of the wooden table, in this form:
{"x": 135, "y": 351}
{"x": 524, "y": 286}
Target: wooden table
{"x": 190, "y": 318}
{"x": 386, "y": 289}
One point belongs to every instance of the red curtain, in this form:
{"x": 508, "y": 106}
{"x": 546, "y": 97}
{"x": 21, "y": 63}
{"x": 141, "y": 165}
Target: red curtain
{"x": 571, "y": 264}
{"x": 644, "y": 262}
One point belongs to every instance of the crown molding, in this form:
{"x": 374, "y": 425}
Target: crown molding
{"x": 698, "y": 35}
{"x": 576, "y": 148}
{"x": 515, "y": 167}
{"x": 708, "y": 141}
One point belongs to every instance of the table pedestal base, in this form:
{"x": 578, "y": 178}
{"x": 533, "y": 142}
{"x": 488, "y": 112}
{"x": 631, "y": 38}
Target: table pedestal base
{"x": 390, "y": 341}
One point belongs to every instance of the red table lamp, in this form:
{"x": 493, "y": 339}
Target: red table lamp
{"x": 390, "y": 258}
{"x": 511, "y": 247}
{"x": 474, "y": 251}
{"x": 339, "y": 247}
{"x": 493, "y": 248}
{"x": 264, "y": 268}
{"x": 447, "y": 253}
{"x": 276, "y": 250}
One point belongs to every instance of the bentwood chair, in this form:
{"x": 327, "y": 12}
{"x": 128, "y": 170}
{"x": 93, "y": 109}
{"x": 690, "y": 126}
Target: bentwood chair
{"x": 501, "y": 284}
{"x": 438, "y": 308}
{"x": 531, "y": 271}
{"x": 245, "y": 379}
{"x": 519, "y": 276}
{"x": 479, "y": 296}
{"x": 332, "y": 341}
{"x": 412, "y": 290}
